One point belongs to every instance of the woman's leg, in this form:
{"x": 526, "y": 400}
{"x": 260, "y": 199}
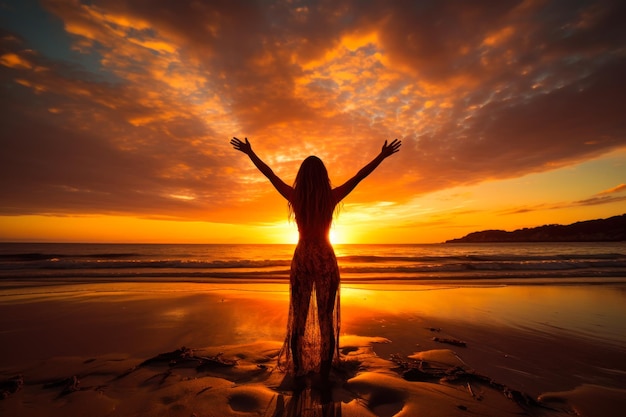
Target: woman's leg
{"x": 325, "y": 313}
{"x": 301, "y": 289}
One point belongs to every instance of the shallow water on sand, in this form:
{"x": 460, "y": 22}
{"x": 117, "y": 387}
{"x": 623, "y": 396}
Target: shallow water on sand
{"x": 536, "y": 336}
{"x": 535, "y": 339}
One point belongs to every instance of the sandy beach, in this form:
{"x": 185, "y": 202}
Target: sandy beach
{"x": 191, "y": 349}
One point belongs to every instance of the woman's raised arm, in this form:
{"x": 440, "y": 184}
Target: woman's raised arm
{"x": 387, "y": 150}
{"x": 245, "y": 147}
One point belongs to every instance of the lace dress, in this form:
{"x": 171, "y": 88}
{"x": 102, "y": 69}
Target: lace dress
{"x": 312, "y": 340}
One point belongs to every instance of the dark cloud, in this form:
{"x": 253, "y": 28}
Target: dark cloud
{"x": 595, "y": 201}
{"x": 603, "y": 197}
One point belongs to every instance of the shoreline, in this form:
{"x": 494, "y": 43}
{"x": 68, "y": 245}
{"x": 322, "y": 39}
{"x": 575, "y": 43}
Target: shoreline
{"x": 512, "y": 334}
{"x": 7, "y": 283}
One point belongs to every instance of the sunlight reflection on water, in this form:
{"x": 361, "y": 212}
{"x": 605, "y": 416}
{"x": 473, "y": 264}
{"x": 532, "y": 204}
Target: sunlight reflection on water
{"x": 594, "y": 311}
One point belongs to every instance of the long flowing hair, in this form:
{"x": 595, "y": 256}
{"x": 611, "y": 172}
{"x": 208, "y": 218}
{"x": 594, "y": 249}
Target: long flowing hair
{"x": 312, "y": 205}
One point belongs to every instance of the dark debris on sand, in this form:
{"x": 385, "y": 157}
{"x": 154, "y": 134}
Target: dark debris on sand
{"x": 420, "y": 370}
{"x": 454, "y": 342}
{"x": 67, "y": 385}
{"x": 11, "y": 386}
{"x": 185, "y": 358}
{"x": 179, "y": 358}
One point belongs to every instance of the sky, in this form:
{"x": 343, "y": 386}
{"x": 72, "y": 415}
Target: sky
{"x": 116, "y": 116}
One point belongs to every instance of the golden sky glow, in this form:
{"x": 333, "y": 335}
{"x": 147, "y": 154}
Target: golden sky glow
{"x": 117, "y": 116}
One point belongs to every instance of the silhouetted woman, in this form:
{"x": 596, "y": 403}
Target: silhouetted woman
{"x": 312, "y": 337}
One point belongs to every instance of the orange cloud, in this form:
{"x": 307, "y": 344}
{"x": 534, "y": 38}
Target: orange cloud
{"x": 617, "y": 189}
{"x": 13, "y": 60}
{"x": 476, "y": 92}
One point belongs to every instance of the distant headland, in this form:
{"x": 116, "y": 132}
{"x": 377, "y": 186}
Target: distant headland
{"x": 612, "y": 229}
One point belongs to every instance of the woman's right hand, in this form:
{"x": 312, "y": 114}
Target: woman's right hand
{"x": 244, "y": 147}
{"x": 390, "y": 149}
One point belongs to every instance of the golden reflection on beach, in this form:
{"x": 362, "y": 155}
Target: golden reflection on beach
{"x": 176, "y": 314}
{"x": 260, "y": 310}
{"x": 574, "y": 308}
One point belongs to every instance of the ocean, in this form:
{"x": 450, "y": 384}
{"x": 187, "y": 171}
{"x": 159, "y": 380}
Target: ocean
{"x": 520, "y": 262}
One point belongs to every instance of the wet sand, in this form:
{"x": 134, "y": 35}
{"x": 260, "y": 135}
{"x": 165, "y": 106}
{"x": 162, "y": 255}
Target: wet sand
{"x": 427, "y": 350}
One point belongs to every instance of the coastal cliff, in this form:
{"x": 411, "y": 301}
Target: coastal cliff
{"x": 612, "y": 229}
